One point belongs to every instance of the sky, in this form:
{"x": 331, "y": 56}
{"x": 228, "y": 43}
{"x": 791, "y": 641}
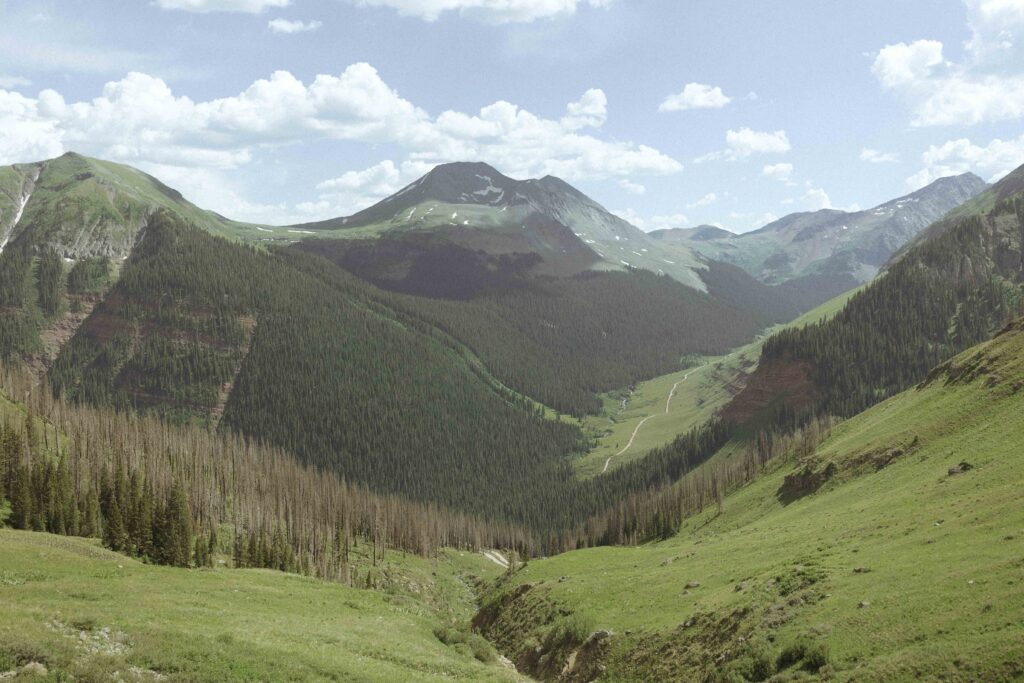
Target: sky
{"x": 671, "y": 113}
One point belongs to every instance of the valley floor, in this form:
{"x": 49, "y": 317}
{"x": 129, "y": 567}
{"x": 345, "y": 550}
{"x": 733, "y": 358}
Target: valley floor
{"x": 632, "y": 423}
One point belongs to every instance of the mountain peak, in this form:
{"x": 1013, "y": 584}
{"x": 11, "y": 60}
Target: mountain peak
{"x": 463, "y": 168}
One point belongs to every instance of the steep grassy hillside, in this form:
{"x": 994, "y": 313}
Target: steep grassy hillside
{"x": 87, "y": 207}
{"x": 64, "y": 609}
{"x": 892, "y": 552}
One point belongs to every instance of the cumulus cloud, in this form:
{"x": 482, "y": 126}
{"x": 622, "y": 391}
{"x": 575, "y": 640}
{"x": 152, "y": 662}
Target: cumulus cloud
{"x": 24, "y": 134}
{"x": 590, "y": 111}
{"x": 745, "y": 142}
{"x": 781, "y": 171}
{"x": 816, "y": 199}
{"x": 288, "y": 27}
{"x": 707, "y": 200}
{"x": 205, "y": 6}
{"x": 986, "y": 86}
{"x": 992, "y": 161}
{"x": 696, "y": 96}
{"x": 488, "y": 11}
{"x": 873, "y": 156}
{"x": 907, "y": 65}
{"x": 140, "y": 120}
{"x": 13, "y": 82}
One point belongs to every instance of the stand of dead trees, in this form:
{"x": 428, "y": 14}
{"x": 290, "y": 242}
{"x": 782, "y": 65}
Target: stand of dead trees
{"x": 174, "y": 494}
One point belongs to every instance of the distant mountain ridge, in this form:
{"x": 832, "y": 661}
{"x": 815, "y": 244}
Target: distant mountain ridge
{"x": 468, "y": 198}
{"x": 848, "y": 248}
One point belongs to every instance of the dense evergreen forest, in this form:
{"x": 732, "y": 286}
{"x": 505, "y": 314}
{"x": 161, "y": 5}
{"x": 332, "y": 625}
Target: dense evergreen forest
{"x": 345, "y": 377}
{"x": 179, "y": 494}
{"x": 19, "y": 293}
{"x": 314, "y": 365}
{"x": 944, "y": 295}
{"x": 557, "y": 340}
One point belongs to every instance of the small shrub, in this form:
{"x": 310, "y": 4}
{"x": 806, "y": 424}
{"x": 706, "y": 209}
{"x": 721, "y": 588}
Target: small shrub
{"x": 19, "y": 653}
{"x": 810, "y": 654}
{"x": 816, "y": 657}
{"x": 754, "y": 665}
{"x": 449, "y": 635}
{"x": 573, "y": 628}
{"x": 83, "y": 624}
{"x": 482, "y": 650}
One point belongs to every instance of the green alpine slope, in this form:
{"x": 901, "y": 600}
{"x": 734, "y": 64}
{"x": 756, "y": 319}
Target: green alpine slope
{"x": 65, "y": 614}
{"x": 894, "y": 551}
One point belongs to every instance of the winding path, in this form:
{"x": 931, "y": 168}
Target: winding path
{"x": 636, "y": 430}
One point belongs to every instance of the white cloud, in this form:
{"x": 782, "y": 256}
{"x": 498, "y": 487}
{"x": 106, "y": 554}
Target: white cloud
{"x": 745, "y": 142}
{"x": 631, "y": 187}
{"x": 986, "y": 86}
{"x": 13, "y": 82}
{"x": 991, "y": 161}
{"x": 205, "y": 6}
{"x": 356, "y": 190}
{"x": 140, "y": 120}
{"x": 287, "y": 27}
{"x": 696, "y": 96}
{"x": 781, "y": 171}
{"x": 816, "y": 199}
{"x": 24, "y": 134}
{"x": 707, "y": 200}
{"x": 590, "y": 111}
{"x": 488, "y": 11}
{"x": 907, "y": 65}
{"x": 873, "y": 156}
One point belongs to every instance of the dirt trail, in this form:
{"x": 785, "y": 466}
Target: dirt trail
{"x": 636, "y": 430}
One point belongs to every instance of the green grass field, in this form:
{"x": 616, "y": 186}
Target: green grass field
{"x": 707, "y": 387}
{"x": 94, "y": 615}
{"x": 898, "y": 569}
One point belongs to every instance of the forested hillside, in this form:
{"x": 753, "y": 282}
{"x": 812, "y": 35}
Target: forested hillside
{"x": 197, "y": 326}
{"x": 290, "y": 350}
{"x": 557, "y": 340}
{"x": 946, "y": 293}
